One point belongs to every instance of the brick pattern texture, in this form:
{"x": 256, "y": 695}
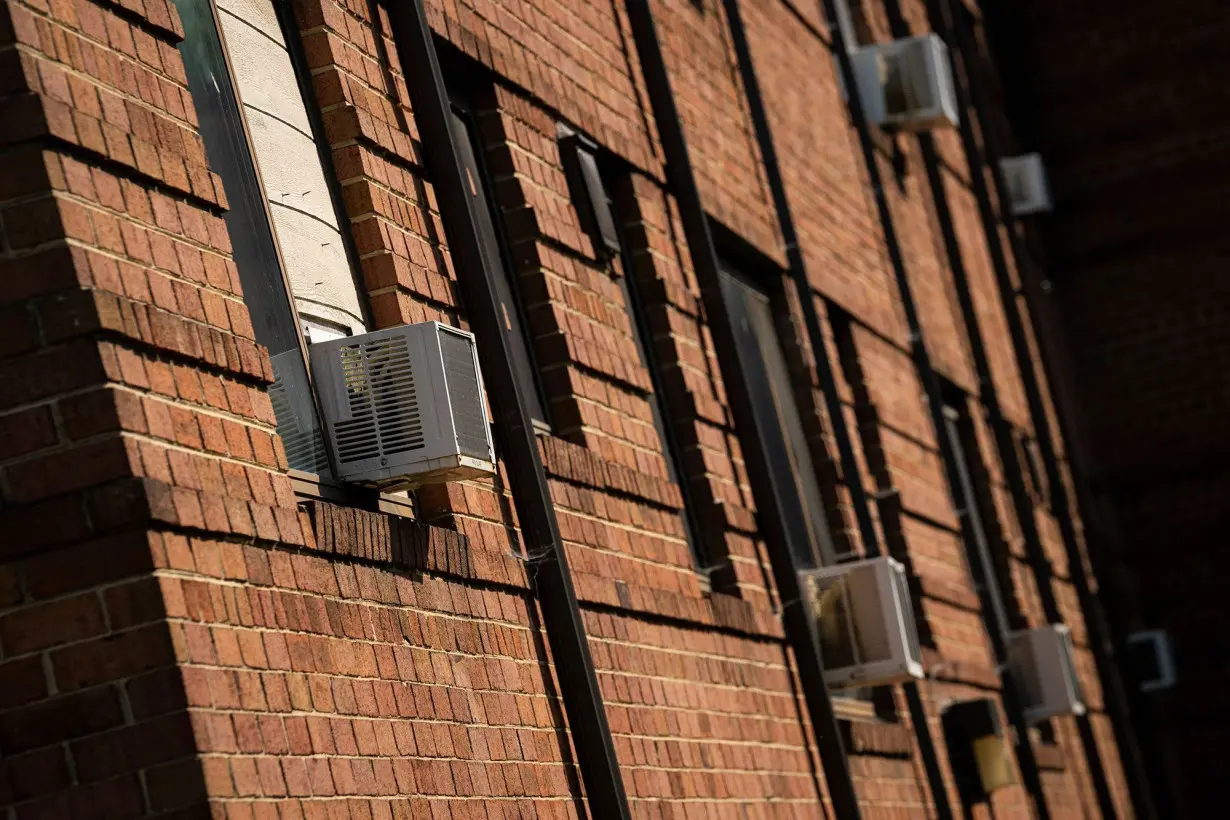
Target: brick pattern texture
{"x": 1134, "y": 250}
{"x": 181, "y": 636}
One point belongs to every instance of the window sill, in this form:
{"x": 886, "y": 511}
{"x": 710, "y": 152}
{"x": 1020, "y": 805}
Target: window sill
{"x": 312, "y": 487}
{"x": 876, "y": 737}
{"x": 848, "y": 707}
{"x": 1049, "y": 756}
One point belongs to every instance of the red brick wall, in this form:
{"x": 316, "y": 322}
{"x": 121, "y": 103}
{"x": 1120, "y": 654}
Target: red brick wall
{"x": 1135, "y": 247}
{"x": 180, "y": 635}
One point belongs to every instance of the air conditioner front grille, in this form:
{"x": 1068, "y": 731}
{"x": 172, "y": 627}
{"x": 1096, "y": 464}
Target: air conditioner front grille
{"x": 382, "y": 400}
{"x": 465, "y": 393}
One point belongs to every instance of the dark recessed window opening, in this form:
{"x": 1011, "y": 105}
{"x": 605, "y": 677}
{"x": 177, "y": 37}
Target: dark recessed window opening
{"x": 779, "y": 425}
{"x": 497, "y": 262}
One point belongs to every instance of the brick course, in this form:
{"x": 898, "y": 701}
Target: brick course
{"x": 183, "y": 636}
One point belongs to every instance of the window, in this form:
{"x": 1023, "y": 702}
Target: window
{"x": 496, "y": 261}
{"x": 779, "y": 426}
{"x": 979, "y": 513}
{"x": 282, "y": 218}
{"x": 1005, "y": 614}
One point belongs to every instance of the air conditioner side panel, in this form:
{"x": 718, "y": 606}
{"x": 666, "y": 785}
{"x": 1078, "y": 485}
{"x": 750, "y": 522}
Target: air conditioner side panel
{"x": 866, "y": 64}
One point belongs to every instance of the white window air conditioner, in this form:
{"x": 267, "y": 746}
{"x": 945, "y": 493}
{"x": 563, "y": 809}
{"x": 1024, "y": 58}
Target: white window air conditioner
{"x": 1151, "y": 659}
{"x": 403, "y": 407}
{"x": 1043, "y": 664}
{"x": 907, "y": 84}
{"x": 865, "y": 621}
{"x": 1028, "y": 189}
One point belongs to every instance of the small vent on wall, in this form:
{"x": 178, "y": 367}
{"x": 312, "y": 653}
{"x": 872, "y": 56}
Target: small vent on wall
{"x": 1028, "y": 188}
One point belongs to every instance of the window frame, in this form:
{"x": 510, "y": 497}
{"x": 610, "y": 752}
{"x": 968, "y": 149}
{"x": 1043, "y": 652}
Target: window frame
{"x": 867, "y": 704}
{"x": 822, "y": 545}
{"x": 463, "y": 113}
{"x": 253, "y": 194}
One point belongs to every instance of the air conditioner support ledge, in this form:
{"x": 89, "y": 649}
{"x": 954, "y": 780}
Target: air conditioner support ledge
{"x": 434, "y": 471}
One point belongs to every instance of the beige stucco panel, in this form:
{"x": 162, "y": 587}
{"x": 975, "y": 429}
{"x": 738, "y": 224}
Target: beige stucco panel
{"x": 303, "y": 214}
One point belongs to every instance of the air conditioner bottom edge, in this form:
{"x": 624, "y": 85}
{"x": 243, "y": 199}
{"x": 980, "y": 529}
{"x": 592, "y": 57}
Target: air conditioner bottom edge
{"x": 427, "y": 471}
{"x": 1038, "y": 714}
{"x": 878, "y": 673}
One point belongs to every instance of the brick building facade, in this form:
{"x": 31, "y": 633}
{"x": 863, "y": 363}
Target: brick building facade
{"x": 1133, "y": 252}
{"x": 189, "y": 627}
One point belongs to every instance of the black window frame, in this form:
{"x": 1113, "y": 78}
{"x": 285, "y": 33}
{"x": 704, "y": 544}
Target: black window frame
{"x": 779, "y": 422}
{"x": 497, "y": 254}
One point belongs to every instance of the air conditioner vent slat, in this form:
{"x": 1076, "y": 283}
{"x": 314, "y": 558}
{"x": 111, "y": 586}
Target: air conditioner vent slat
{"x": 305, "y": 446}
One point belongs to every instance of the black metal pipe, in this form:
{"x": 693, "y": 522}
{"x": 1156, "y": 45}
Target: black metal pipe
{"x": 800, "y": 627}
{"x": 587, "y": 721}
{"x": 1002, "y": 431}
{"x": 824, "y": 368}
{"x": 971, "y": 530}
{"x": 1102, "y": 639}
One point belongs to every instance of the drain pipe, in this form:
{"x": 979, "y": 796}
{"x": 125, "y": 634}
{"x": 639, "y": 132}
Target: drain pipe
{"x": 800, "y": 627}
{"x": 548, "y": 570}
{"x": 953, "y": 28}
{"x": 824, "y": 369}
{"x": 1002, "y": 430}
{"x": 971, "y": 530}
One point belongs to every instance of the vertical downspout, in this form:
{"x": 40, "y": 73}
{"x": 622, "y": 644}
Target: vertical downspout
{"x": 1005, "y": 445}
{"x": 1102, "y": 639}
{"x": 800, "y": 627}
{"x": 548, "y": 562}
{"x": 824, "y": 367}
{"x": 971, "y": 530}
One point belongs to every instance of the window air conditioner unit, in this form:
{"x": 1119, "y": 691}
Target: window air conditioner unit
{"x": 865, "y": 620}
{"x": 1151, "y": 659}
{"x": 907, "y": 84}
{"x": 1028, "y": 190}
{"x": 403, "y": 407}
{"x": 1044, "y": 666}
{"x": 291, "y": 397}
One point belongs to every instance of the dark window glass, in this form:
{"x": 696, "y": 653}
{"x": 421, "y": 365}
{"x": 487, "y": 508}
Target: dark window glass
{"x": 495, "y": 264}
{"x": 251, "y": 232}
{"x": 779, "y": 426}
{"x": 976, "y": 515}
